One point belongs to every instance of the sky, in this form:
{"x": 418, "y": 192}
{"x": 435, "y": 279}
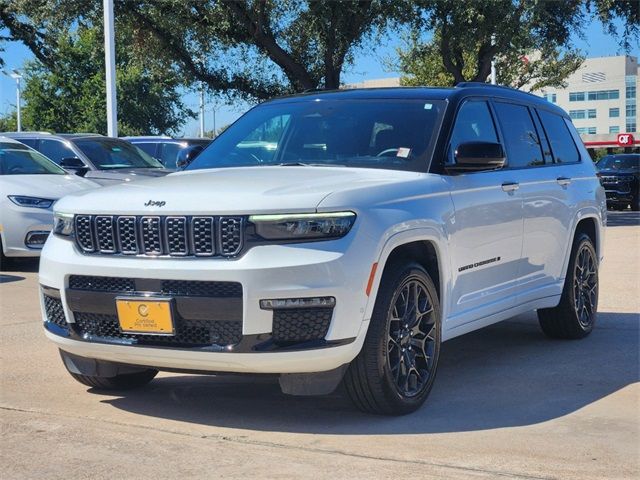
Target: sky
{"x": 369, "y": 64}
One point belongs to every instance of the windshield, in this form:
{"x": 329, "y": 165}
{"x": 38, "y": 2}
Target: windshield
{"x": 390, "y": 134}
{"x": 17, "y": 159}
{"x": 112, "y": 154}
{"x": 619, "y": 162}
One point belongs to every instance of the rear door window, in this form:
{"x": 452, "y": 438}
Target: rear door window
{"x": 521, "y": 139}
{"x": 562, "y": 145}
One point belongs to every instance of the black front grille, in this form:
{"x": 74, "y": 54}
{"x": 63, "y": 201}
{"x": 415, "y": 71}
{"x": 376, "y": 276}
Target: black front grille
{"x": 54, "y": 311}
{"x": 188, "y": 333}
{"x": 186, "y": 288}
{"x": 301, "y": 324}
{"x": 160, "y": 235}
{"x": 102, "y": 284}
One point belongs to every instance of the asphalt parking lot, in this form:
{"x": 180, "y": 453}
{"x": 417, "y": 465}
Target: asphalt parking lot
{"x": 508, "y": 403}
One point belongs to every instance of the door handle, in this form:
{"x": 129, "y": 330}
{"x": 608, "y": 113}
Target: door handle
{"x": 563, "y": 181}
{"x": 510, "y": 186}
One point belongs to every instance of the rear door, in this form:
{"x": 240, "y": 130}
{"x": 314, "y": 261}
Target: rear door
{"x": 544, "y": 187}
{"x": 486, "y": 231}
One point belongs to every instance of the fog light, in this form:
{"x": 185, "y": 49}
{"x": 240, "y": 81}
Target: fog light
{"x": 36, "y": 239}
{"x": 311, "y": 302}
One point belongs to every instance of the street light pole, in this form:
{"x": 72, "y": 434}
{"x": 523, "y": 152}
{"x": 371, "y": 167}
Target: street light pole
{"x": 17, "y": 76}
{"x": 493, "y": 62}
{"x": 110, "y": 65}
{"x": 201, "y": 109}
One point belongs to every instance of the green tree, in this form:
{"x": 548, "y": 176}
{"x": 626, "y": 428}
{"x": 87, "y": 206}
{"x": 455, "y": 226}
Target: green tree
{"x": 467, "y": 36}
{"x": 421, "y": 64}
{"x": 252, "y": 48}
{"x": 70, "y": 95}
{"x": 9, "y": 122}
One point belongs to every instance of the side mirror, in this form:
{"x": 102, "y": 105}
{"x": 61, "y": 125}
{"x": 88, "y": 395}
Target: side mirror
{"x": 477, "y": 156}
{"x": 187, "y": 155}
{"x": 75, "y": 165}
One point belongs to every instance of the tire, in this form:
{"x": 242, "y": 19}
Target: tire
{"x": 5, "y": 262}
{"x": 635, "y": 205}
{"x": 576, "y": 314}
{"x": 378, "y": 381}
{"x": 127, "y": 381}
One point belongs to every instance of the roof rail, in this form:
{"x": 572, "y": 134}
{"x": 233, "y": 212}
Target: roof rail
{"x": 490, "y": 85}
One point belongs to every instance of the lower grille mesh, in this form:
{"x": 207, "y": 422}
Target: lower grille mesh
{"x": 54, "y": 311}
{"x": 189, "y": 333}
{"x": 301, "y": 324}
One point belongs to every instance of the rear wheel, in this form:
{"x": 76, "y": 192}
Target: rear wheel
{"x": 575, "y": 315}
{"x": 126, "y": 381}
{"x": 395, "y": 370}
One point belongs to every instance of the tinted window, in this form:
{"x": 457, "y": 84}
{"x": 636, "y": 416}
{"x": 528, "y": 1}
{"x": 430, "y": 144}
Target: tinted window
{"x": 148, "y": 148}
{"x": 520, "y": 137}
{"x": 562, "y": 146}
{"x": 169, "y": 153}
{"x": 55, "y": 150}
{"x": 31, "y": 142}
{"x": 354, "y": 133}
{"x": 473, "y": 124}
{"x": 112, "y": 153}
{"x": 16, "y": 159}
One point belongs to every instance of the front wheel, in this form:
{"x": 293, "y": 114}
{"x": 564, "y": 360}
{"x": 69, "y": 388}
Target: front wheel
{"x": 575, "y": 315}
{"x": 395, "y": 370}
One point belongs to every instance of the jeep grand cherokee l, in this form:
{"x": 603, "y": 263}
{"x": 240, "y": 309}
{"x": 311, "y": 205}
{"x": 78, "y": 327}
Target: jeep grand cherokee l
{"x": 328, "y": 237}
{"x": 620, "y": 177}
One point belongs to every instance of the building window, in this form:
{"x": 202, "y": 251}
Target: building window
{"x": 630, "y": 83}
{"x": 591, "y": 113}
{"x": 630, "y": 126}
{"x": 576, "y": 96}
{"x": 614, "y": 112}
{"x": 550, "y": 97}
{"x": 630, "y": 110}
{"x": 586, "y": 130}
{"x": 576, "y": 114}
{"x": 614, "y": 129}
{"x": 603, "y": 95}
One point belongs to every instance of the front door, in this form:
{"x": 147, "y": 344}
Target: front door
{"x": 486, "y": 231}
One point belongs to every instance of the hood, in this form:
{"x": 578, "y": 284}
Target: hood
{"x": 44, "y": 186}
{"x": 112, "y": 177}
{"x": 230, "y": 191}
{"x": 608, "y": 172}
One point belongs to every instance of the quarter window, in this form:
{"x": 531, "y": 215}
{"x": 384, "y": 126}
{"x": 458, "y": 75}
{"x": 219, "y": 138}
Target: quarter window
{"x": 562, "y": 145}
{"x": 520, "y": 137}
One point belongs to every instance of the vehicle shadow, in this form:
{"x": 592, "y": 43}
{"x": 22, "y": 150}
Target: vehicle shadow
{"x": 29, "y": 264}
{"x": 623, "y": 219}
{"x": 505, "y": 375}
{"x": 10, "y": 278}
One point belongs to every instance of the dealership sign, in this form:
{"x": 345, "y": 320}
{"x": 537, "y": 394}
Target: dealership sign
{"x": 625, "y": 139}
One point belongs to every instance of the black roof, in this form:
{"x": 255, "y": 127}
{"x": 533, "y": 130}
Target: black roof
{"x": 460, "y": 91}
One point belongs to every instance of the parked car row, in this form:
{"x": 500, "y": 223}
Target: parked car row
{"x": 37, "y": 168}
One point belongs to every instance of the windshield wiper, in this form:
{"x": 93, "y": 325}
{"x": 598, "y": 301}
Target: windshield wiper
{"x": 303, "y": 164}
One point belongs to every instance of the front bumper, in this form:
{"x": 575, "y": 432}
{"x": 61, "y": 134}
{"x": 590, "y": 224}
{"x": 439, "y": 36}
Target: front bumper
{"x": 323, "y": 269}
{"x": 20, "y": 224}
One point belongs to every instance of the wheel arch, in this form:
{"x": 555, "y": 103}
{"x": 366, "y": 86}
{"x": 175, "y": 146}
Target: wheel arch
{"x": 591, "y": 225}
{"x": 427, "y": 248}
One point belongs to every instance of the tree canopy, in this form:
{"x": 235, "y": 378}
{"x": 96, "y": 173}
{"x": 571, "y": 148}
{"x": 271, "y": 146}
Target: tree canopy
{"x": 70, "y": 95}
{"x": 530, "y": 41}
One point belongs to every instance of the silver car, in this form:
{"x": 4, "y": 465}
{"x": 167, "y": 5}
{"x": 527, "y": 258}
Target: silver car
{"x": 104, "y": 160}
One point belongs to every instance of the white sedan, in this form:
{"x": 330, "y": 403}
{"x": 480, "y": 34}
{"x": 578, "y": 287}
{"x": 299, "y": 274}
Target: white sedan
{"x": 29, "y": 185}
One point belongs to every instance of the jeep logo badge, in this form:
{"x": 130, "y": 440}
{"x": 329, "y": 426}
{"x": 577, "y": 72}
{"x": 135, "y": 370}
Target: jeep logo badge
{"x": 155, "y": 203}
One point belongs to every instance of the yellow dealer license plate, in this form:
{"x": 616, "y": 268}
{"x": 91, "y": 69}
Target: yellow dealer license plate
{"x": 150, "y": 316}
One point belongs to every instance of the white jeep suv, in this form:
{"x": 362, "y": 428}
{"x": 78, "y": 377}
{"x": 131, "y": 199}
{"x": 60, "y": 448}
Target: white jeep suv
{"x": 328, "y": 237}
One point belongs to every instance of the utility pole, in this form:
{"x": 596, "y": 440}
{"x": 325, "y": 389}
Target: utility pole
{"x": 15, "y": 74}
{"x": 201, "y": 109}
{"x": 110, "y": 65}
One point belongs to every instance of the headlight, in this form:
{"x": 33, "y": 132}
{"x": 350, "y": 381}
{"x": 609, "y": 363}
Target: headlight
{"x": 305, "y": 226}
{"x": 63, "y": 224}
{"x": 34, "y": 202}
